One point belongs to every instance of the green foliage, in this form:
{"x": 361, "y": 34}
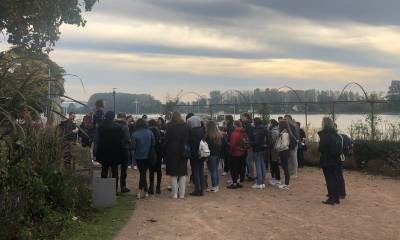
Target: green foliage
{"x": 37, "y": 195}
{"x": 265, "y": 113}
{"x": 35, "y": 24}
{"x": 366, "y": 151}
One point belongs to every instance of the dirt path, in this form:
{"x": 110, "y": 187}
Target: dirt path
{"x": 371, "y": 212}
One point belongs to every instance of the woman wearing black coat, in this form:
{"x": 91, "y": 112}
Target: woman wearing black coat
{"x": 329, "y": 160}
{"x": 110, "y": 146}
{"x": 156, "y": 168}
{"x": 176, "y": 137}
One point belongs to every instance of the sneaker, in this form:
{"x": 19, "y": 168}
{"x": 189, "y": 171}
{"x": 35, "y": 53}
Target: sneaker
{"x": 283, "y": 187}
{"x": 181, "y": 197}
{"x": 255, "y": 186}
{"x": 146, "y": 195}
{"x": 129, "y": 167}
{"x": 224, "y": 173}
{"x": 272, "y": 182}
{"x": 175, "y": 196}
{"x": 209, "y": 189}
{"x": 229, "y": 182}
{"x": 232, "y": 186}
{"x": 135, "y": 167}
{"x": 215, "y": 189}
{"x": 139, "y": 195}
{"x": 262, "y": 186}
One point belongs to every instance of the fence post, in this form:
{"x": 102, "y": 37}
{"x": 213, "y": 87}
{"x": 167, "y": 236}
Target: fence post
{"x": 306, "y": 112}
{"x": 211, "y": 111}
{"x": 252, "y": 110}
{"x": 372, "y": 121}
{"x": 333, "y": 112}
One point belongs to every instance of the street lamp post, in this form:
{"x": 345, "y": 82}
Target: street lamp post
{"x": 137, "y": 109}
{"x": 114, "y": 93}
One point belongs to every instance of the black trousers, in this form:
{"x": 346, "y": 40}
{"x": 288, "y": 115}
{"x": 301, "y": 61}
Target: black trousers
{"x": 274, "y": 164}
{"x": 197, "y": 166}
{"x": 300, "y": 157}
{"x": 332, "y": 181}
{"x": 153, "y": 170}
{"x": 227, "y": 163}
{"x": 238, "y": 168}
{"x": 143, "y": 166}
{"x": 342, "y": 184}
{"x": 284, "y": 156}
{"x": 105, "y": 166}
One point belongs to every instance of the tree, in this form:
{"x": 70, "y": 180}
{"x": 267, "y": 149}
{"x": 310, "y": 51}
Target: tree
{"x": 35, "y": 24}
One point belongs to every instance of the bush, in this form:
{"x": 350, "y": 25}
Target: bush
{"x": 37, "y": 195}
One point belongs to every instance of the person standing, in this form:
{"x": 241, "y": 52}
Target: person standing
{"x": 330, "y": 147}
{"x": 98, "y": 118}
{"x": 259, "y": 147}
{"x": 156, "y": 168}
{"x": 142, "y": 142}
{"x": 176, "y": 138}
{"x": 302, "y": 146}
{"x": 196, "y": 134}
{"x": 282, "y": 146}
{"x": 248, "y": 127}
{"x": 69, "y": 133}
{"x": 294, "y": 136}
{"x": 229, "y": 130}
{"x": 274, "y": 155}
{"x": 109, "y": 146}
{"x": 214, "y": 139}
{"x": 238, "y": 153}
{"x": 126, "y": 145}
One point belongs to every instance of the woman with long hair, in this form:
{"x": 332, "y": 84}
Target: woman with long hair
{"x": 176, "y": 138}
{"x": 282, "y": 147}
{"x": 238, "y": 155}
{"x": 214, "y": 139}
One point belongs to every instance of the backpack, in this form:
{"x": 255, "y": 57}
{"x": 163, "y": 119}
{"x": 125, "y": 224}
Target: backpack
{"x": 204, "y": 150}
{"x": 336, "y": 145}
{"x": 244, "y": 142}
{"x": 347, "y": 145}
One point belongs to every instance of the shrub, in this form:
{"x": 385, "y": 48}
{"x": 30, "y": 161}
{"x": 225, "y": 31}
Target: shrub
{"x": 37, "y": 195}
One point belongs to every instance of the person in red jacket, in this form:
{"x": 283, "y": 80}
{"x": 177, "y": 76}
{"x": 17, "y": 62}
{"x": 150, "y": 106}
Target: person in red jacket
{"x": 238, "y": 155}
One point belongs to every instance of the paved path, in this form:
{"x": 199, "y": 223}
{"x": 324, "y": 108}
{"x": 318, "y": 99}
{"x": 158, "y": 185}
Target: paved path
{"x": 371, "y": 212}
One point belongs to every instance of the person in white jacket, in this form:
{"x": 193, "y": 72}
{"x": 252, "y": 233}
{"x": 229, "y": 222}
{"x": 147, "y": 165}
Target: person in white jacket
{"x": 282, "y": 146}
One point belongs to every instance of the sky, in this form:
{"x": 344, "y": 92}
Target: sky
{"x": 162, "y": 46}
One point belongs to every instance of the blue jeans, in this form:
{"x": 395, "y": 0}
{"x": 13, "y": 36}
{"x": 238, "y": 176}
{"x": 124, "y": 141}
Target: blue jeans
{"x": 260, "y": 167}
{"x": 212, "y": 164}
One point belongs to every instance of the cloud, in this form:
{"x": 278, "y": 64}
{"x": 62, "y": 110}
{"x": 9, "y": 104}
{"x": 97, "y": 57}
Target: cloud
{"x": 313, "y": 70}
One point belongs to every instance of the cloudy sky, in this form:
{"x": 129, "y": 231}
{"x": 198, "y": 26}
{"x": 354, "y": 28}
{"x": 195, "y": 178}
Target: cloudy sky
{"x": 162, "y": 46}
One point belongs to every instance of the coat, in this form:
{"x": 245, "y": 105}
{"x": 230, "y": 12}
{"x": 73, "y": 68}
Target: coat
{"x": 325, "y": 144}
{"x": 234, "y": 149}
{"x": 110, "y": 144}
{"x": 195, "y": 136}
{"x": 176, "y": 136}
{"x": 259, "y": 138}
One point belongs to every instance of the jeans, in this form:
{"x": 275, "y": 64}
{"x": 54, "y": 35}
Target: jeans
{"x": 238, "y": 168}
{"x": 332, "y": 181}
{"x": 342, "y": 184}
{"x": 250, "y": 163}
{"x": 198, "y": 174}
{"x": 293, "y": 164}
{"x": 143, "y": 165}
{"x": 212, "y": 164}
{"x": 260, "y": 167}
{"x": 284, "y": 156}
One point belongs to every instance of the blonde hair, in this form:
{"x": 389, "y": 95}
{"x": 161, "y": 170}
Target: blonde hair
{"x": 213, "y": 133}
{"x": 177, "y": 118}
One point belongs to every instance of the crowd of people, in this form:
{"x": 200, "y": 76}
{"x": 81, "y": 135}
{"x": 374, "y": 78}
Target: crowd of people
{"x": 244, "y": 149}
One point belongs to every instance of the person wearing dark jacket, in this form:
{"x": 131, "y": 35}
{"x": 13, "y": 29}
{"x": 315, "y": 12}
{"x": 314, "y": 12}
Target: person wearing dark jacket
{"x": 238, "y": 155}
{"x": 156, "y": 168}
{"x": 329, "y": 162}
{"x": 293, "y": 146}
{"x": 177, "y": 136}
{"x": 142, "y": 142}
{"x": 259, "y": 147}
{"x": 69, "y": 134}
{"x": 110, "y": 148}
{"x": 86, "y": 132}
{"x": 302, "y": 146}
{"x": 247, "y": 125}
{"x": 126, "y": 143}
{"x": 214, "y": 139}
{"x": 229, "y": 130}
{"x": 98, "y": 119}
{"x": 196, "y": 134}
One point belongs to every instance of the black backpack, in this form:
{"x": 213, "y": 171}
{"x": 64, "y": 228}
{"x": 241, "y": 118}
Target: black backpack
{"x": 336, "y": 145}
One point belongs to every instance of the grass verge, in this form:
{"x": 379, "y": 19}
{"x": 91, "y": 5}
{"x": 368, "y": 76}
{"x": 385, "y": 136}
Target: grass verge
{"x": 102, "y": 224}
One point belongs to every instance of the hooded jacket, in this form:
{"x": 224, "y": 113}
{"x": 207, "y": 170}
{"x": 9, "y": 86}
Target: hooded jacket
{"x": 234, "y": 148}
{"x": 325, "y": 144}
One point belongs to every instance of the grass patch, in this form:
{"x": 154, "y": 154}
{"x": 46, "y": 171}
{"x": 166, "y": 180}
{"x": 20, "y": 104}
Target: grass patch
{"x": 102, "y": 224}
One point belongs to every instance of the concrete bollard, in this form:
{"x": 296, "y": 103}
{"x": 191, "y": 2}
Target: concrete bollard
{"x": 104, "y": 192}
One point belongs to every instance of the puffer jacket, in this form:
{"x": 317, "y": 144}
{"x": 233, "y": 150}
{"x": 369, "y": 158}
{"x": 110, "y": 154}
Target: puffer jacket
{"x": 234, "y": 148}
